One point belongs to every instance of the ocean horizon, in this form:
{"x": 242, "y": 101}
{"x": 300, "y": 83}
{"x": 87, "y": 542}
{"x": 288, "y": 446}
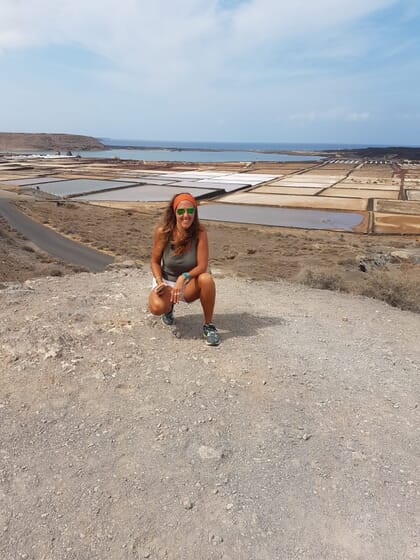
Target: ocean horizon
{"x": 218, "y": 145}
{"x": 193, "y": 151}
{"x": 155, "y": 150}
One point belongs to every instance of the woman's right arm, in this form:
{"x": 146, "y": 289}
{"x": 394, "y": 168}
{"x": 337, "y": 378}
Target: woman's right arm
{"x": 157, "y": 256}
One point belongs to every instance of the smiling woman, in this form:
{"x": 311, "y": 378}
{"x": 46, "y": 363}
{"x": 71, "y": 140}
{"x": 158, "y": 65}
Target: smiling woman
{"x": 179, "y": 265}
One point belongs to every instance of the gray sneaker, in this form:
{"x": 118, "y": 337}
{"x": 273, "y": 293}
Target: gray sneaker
{"x": 211, "y": 335}
{"x": 168, "y": 318}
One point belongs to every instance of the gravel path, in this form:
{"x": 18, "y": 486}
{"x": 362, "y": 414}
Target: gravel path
{"x": 122, "y": 439}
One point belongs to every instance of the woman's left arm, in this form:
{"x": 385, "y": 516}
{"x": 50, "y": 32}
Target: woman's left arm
{"x": 201, "y": 266}
{"x": 202, "y": 255}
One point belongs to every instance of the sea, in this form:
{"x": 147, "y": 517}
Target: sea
{"x": 208, "y": 151}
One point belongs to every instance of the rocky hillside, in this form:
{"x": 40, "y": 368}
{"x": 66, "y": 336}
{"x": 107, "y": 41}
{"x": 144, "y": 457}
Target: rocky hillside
{"x": 10, "y": 141}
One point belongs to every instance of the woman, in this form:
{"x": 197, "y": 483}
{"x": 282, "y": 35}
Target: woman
{"x": 179, "y": 265}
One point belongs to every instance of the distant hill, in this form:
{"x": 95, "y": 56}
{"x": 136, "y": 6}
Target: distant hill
{"x": 390, "y": 152}
{"x": 10, "y": 141}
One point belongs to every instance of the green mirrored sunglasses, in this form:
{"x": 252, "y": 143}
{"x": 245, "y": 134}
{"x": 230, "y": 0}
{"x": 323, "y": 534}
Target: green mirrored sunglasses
{"x": 181, "y": 211}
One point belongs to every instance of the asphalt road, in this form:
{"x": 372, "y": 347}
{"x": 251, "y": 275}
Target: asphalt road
{"x": 52, "y": 242}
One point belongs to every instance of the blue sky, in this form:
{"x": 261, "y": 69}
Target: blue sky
{"x": 337, "y": 71}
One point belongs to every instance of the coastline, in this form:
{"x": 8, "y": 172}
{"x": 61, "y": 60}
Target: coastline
{"x": 10, "y": 143}
{"x": 388, "y": 152}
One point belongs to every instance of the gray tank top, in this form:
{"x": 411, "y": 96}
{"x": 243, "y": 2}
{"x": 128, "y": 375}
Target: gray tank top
{"x": 174, "y": 265}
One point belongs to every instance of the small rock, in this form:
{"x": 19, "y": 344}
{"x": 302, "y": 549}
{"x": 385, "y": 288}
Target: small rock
{"x": 207, "y": 452}
{"x": 54, "y": 352}
{"x": 410, "y": 255}
{"x": 215, "y": 539}
{"x": 121, "y": 264}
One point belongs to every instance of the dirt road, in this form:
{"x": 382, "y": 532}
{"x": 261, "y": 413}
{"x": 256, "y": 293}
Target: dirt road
{"x": 53, "y": 243}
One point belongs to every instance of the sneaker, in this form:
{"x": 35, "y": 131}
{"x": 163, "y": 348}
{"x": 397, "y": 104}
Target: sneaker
{"x": 211, "y": 335}
{"x": 168, "y": 318}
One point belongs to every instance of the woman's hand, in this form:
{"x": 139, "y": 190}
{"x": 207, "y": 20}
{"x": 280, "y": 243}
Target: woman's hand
{"x": 160, "y": 288}
{"x": 178, "y": 289}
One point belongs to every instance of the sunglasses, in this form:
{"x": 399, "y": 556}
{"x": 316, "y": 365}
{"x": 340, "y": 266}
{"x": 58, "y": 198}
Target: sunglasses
{"x": 181, "y": 211}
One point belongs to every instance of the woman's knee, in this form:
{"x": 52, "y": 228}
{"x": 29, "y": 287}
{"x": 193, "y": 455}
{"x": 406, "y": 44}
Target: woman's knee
{"x": 158, "y": 306}
{"x": 154, "y": 309}
{"x": 205, "y": 280}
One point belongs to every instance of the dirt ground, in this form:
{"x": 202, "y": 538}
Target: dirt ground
{"x": 384, "y": 267}
{"x": 122, "y": 439}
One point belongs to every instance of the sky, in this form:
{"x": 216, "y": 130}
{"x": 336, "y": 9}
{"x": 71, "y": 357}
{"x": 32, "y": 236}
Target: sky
{"x": 334, "y": 71}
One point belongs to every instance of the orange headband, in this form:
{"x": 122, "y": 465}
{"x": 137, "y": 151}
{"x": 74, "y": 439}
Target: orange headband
{"x": 183, "y": 196}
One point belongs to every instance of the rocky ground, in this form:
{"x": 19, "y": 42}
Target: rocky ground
{"x": 120, "y": 438}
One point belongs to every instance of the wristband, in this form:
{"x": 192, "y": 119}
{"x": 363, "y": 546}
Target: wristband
{"x": 186, "y": 276}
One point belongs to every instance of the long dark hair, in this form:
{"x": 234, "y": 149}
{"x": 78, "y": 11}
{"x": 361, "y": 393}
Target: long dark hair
{"x": 168, "y": 224}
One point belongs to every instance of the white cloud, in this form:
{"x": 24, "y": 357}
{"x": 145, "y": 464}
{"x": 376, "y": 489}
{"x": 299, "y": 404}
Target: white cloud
{"x": 172, "y": 35}
{"x": 336, "y": 114}
{"x": 223, "y": 59}
{"x": 409, "y": 116}
{"x": 192, "y": 45}
{"x": 355, "y": 116}
{"x": 309, "y": 116}
{"x": 262, "y": 20}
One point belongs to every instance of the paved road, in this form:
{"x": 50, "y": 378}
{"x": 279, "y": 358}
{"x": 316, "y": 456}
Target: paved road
{"x": 52, "y": 242}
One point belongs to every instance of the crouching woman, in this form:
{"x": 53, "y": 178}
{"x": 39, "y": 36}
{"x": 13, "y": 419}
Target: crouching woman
{"x": 179, "y": 265}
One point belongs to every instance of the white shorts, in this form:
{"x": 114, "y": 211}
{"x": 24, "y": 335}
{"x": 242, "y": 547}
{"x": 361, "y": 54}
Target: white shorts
{"x": 168, "y": 283}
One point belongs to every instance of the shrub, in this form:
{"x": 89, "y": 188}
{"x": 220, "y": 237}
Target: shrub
{"x": 56, "y": 272}
{"x": 397, "y": 292}
{"x": 321, "y": 280}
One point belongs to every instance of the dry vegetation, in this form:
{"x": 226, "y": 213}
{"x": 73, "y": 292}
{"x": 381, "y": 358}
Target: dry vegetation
{"x": 322, "y": 259}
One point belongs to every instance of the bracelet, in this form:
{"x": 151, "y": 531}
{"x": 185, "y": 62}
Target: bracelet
{"x": 186, "y": 276}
